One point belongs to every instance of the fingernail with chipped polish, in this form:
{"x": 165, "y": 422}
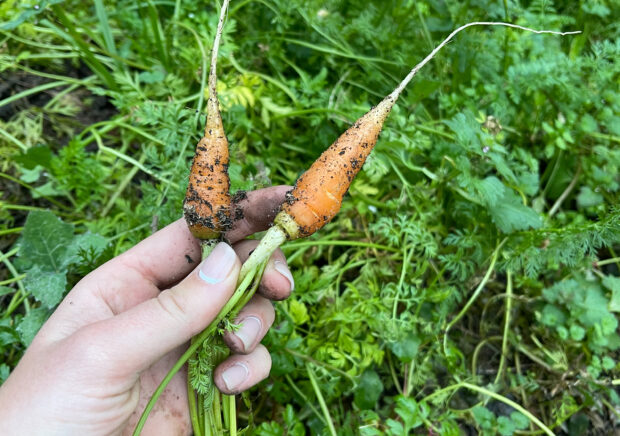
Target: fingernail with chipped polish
{"x": 283, "y": 269}
{"x": 248, "y": 331}
{"x": 218, "y": 265}
{"x": 235, "y": 375}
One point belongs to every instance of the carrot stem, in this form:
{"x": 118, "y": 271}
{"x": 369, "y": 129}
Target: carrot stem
{"x": 193, "y": 410}
{"x": 431, "y": 55}
{"x": 274, "y": 237}
{"x": 242, "y": 287}
{"x": 216, "y": 47}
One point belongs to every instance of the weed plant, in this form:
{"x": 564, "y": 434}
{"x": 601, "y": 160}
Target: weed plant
{"x": 470, "y": 283}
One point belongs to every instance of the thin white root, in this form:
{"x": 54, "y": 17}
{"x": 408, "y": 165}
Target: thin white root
{"x": 432, "y": 54}
{"x": 216, "y": 47}
{"x": 274, "y": 237}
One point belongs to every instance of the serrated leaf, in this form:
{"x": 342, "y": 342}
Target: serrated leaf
{"x": 406, "y": 348}
{"x": 466, "y": 129}
{"x": 520, "y": 420}
{"x": 298, "y": 312}
{"x": 395, "y": 427}
{"x": 588, "y": 198}
{"x": 510, "y": 214}
{"x": 552, "y": 315}
{"x": 484, "y": 417}
{"x": 490, "y": 190}
{"x": 47, "y": 287}
{"x": 31, "y": 323}
{"x": 505, "y": 426}
{"x": 90, "y": 242}
{"x": 45, "y": 241}
{"x": 529, "y": 183}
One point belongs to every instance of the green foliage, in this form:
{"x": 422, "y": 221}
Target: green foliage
{"x": 506, "y": 142}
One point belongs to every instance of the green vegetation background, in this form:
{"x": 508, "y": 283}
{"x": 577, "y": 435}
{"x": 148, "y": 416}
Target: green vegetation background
{"x": 470, "y": 283}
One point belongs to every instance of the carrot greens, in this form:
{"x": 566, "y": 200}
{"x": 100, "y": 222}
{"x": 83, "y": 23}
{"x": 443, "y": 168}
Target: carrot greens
{"x": 469, "y": 281}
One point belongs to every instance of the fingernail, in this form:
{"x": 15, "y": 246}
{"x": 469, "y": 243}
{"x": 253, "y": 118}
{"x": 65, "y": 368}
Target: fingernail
{"x": 249, "y": 330}
{"x": 218, "y": 265}
{"x": 283, "y": 269}
{"x": 235, "y": 375}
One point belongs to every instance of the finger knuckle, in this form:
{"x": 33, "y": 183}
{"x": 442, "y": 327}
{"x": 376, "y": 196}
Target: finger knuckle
{"x": 173, "y": 307}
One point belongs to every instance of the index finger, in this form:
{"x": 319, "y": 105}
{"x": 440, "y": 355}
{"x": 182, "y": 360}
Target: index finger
{"x": 170, "y": 254}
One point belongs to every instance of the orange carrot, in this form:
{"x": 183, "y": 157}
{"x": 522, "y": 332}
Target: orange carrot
{"x": 318, "y": 193}
{"x": 207, "y": 201}
{"x": 314, "y": 200}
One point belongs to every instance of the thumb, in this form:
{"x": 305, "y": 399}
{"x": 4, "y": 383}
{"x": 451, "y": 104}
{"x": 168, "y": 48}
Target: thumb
{"x": 136, "y": 339}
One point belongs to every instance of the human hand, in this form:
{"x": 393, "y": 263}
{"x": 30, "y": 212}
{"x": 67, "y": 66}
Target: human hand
{"x": 93, "y": 366}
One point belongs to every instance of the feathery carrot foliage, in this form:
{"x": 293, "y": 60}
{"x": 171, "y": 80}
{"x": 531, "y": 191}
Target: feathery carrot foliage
{"x": 470, "y": 282}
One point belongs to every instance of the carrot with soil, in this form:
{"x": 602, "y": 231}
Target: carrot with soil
{"x": 207, "y": 211}
{"x": 207, "y": 201}
{"x": 318, "y": 193}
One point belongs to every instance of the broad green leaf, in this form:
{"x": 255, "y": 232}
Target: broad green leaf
{"x": 520, "y": 420}
{"x": 47, "y": 287}
{"x": 270, "y": 429}
{"x": 491, "y": 190}
{"x": 31, "y": 323}
{"x": 553, "y": 315}
{"x": 406, "y": 348}
{"x": 505, "y": 426}
{"x": 48, "y": 189}
{"x": 395, "y": 427}
{"x": 31, "y": 175}
{"x": 5, "y": 290}
{"x": 368, "y": 390}
{"x": 35, "y": 156}
{"x": 593, "y": 309}
{"x": 407, "y": 408}
{"x": 484, "y": 417}
{"x": 577, "y": 333}
{"x": 588, "y": 198}
{"x": 510, "y": 214}
{"x": 608, "y": 363}
{"x": 45, "y": 241}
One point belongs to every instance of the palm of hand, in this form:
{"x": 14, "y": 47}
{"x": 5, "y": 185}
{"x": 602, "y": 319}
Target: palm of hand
{"x": 96, "y": 362}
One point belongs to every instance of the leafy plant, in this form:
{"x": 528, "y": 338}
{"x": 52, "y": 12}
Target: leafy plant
{"x": 474, "y": 267}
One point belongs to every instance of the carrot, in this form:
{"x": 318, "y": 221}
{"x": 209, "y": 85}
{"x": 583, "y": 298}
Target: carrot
{"x": 207, "y": 201}
{"x": 314, "y": 201}
{"x": 318, "y": 193}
